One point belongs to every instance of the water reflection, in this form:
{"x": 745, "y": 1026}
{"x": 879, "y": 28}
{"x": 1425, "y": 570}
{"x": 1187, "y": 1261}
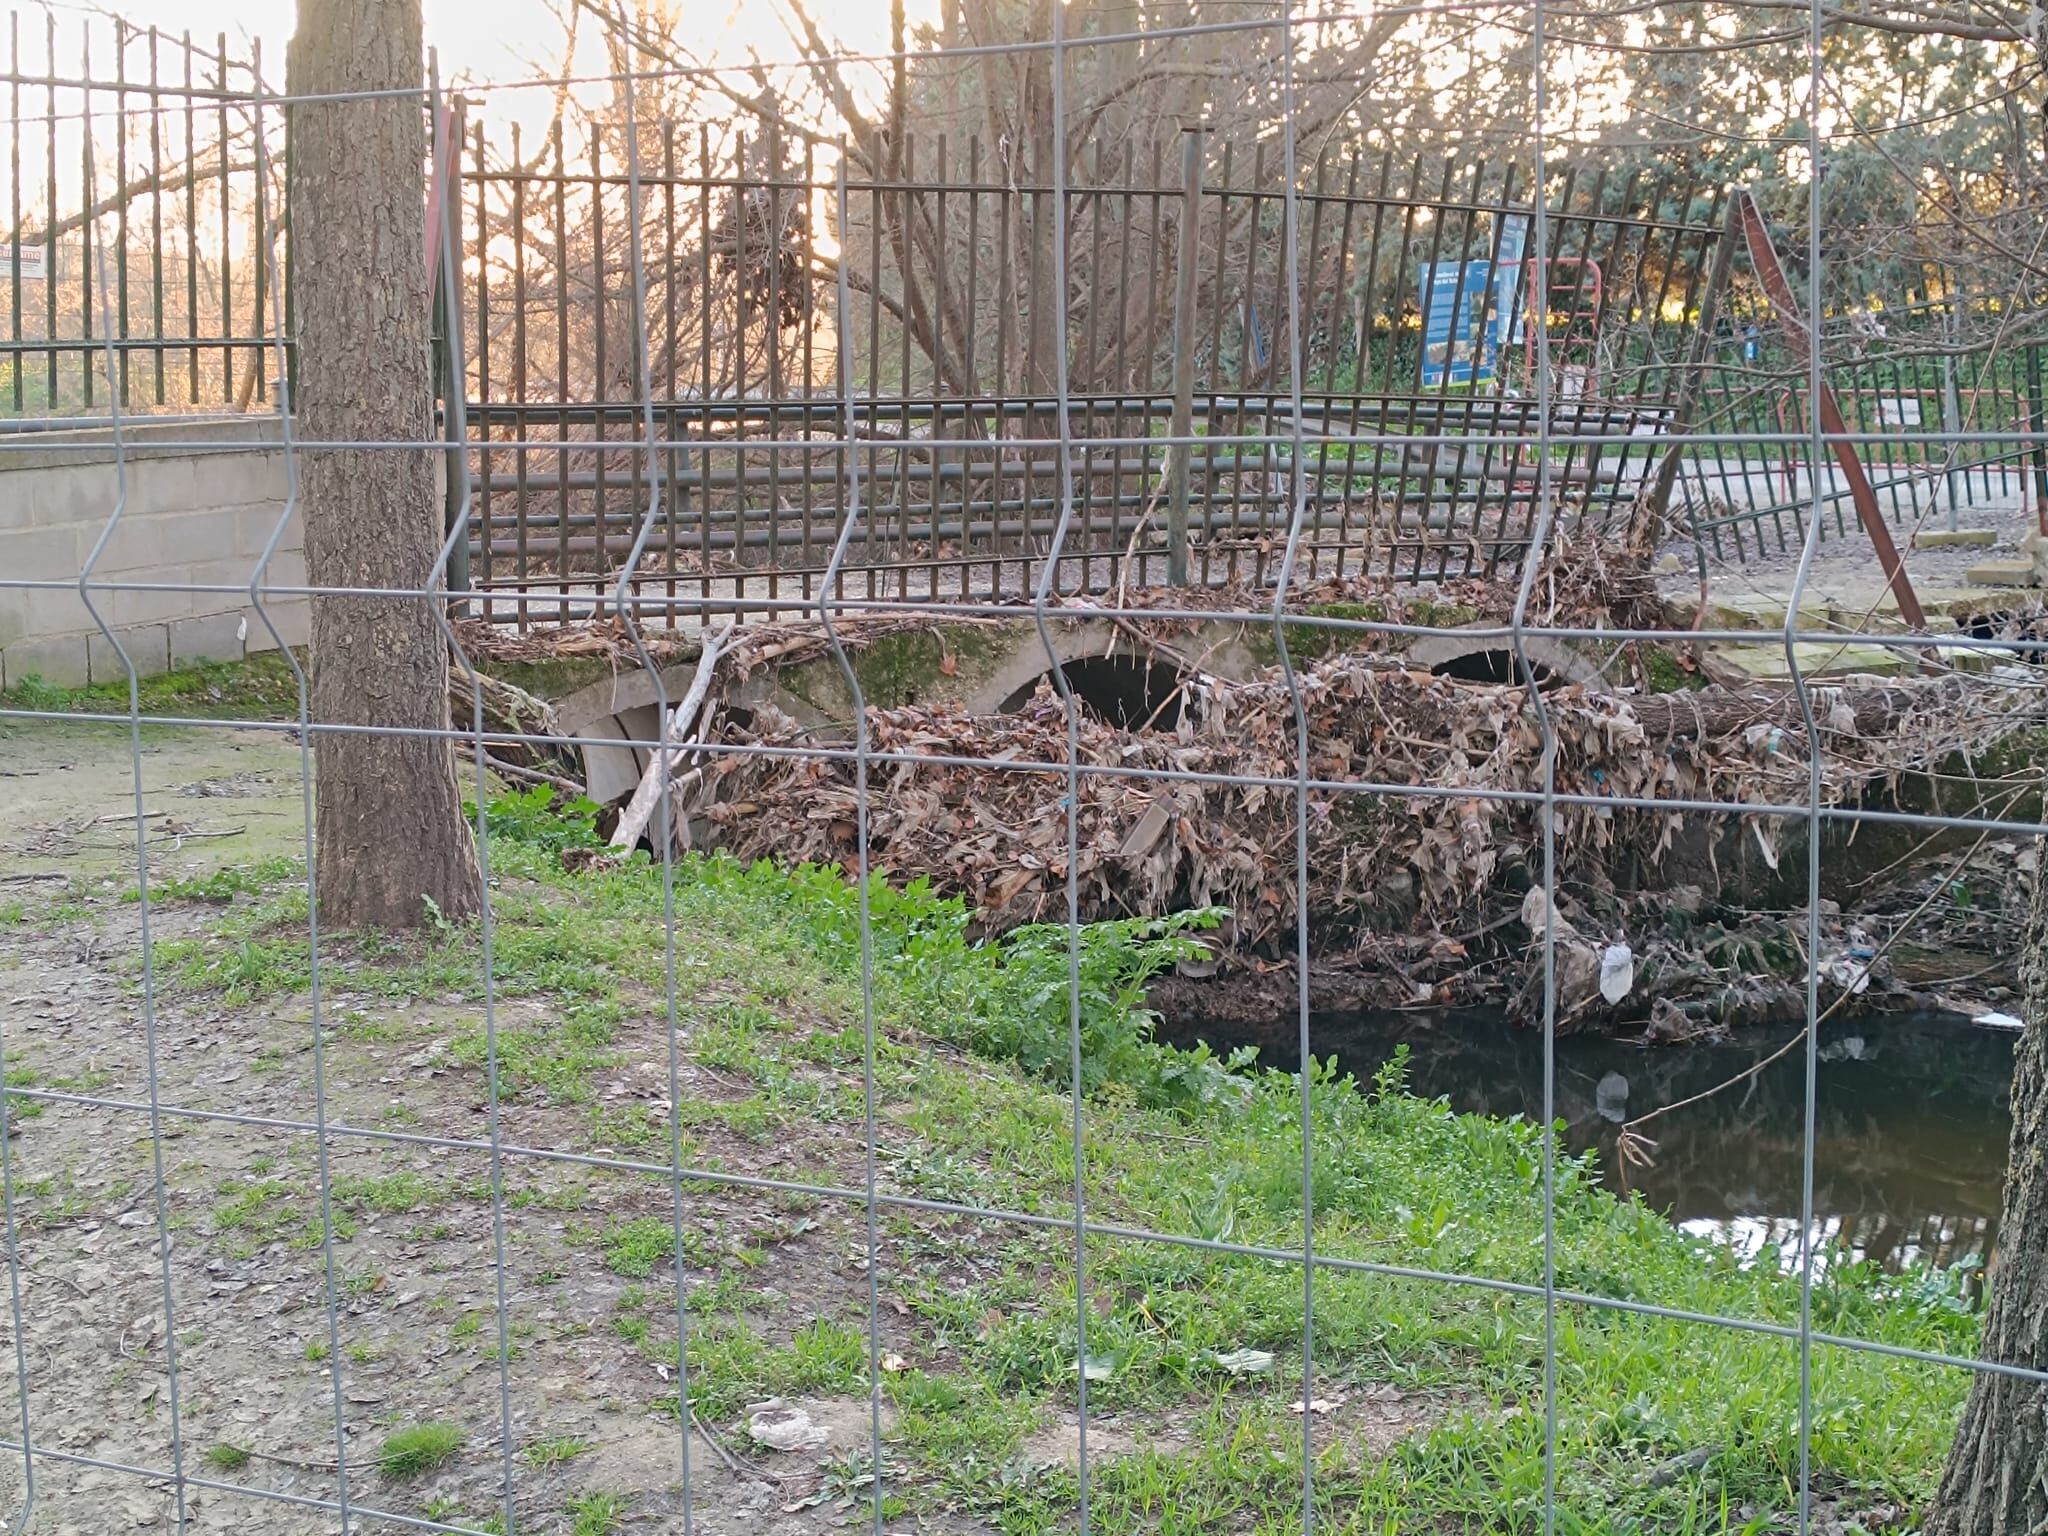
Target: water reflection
{"x": 1913, "y": 1120}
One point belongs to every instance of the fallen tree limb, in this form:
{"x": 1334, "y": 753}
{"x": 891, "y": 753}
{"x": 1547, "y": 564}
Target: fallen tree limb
{"x": 568, "y": 789}
{"x": 640, "y": 809}
{"x": 1722, "y": 712}
{"x": 539, "y": 756}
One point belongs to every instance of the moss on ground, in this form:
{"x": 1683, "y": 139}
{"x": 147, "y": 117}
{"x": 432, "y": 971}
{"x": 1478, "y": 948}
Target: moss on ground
{"x": 260, "y": 687}
{"x": 1309, "y": 642}
{"x": 555, "y": 678}
{"x": 1663, "y": 672}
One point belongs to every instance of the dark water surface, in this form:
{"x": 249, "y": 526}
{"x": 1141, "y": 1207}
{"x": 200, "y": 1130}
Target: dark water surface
{"x": 1913, "y": 1119}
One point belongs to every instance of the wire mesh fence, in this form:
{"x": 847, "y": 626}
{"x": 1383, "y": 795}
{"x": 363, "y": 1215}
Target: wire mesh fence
{"x": 672, "y": 1189}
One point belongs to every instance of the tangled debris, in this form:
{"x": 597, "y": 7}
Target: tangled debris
{"x": 1419, "y": 788}
{"x": 1423, "y": 808}
{"x": 1421, "y": 817}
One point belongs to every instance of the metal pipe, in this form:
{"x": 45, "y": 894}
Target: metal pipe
{"x": 1771, "y": 272}
{"x": 1185, "y": 277}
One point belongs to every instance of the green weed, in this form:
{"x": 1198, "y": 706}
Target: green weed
{"x": 222, "y": 886}
{"x": 553, "y": 1452}
{"x": 596, "y": 1514}
{"x": 390, "y": 1193}
{"x": 557, "y": 1059}
{"x": 634, "y": 1248}
{"x": 535, "y": 818}
{"x": 263, "y": 1211}
{"x": 418, "y": 1449}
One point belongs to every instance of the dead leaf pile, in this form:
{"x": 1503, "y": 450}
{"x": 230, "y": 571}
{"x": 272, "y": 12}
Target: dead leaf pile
{"x": 1419, "y": 788}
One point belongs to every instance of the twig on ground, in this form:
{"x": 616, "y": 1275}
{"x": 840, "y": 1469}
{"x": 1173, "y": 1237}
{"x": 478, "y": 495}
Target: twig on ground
{"x": 735, "y": 1463}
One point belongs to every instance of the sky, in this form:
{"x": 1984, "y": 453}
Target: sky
{"x": 520, "y": 39}
{"x": 476, "y": 42}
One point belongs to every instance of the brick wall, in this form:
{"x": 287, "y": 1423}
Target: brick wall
{"x": 201, "y": 504}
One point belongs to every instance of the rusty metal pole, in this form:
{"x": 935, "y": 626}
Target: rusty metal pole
{"x": 1180, "y": 456}
{"x": 1656, "y": 505}
{"x": 1771, "y": 273}
{"x": 2037, "y": 455}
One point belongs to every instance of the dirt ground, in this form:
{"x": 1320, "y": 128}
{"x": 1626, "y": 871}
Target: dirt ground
{"x": 416, "y": 1326}
{"x": 205, "y": 1103}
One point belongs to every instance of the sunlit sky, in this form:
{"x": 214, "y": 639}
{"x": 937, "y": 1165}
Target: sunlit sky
{"x": 504, "y": 40}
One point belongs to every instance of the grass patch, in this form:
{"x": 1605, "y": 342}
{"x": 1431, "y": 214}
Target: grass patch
{"x": 553, "y": 1452}
{"x": 223, "y": 885}
{"x": 21, "y": 1108}
{"x": 596, "y": 1514}
{"x": 634, "y": 1248}
{"x": 418, "y": 1449}
{"x": 449, "y": 1512}
{"x": 254, "y": 1213}
{"x": 259, "y": 688}
{"x": 392, "y": 1193}
{"x": 241, "y": 970}
{"x": 732, "y": 1365}
{"x": 1662, "y": 1425}
{"x": 226, "y": 1458}
{"x": 556, "y": 1060}
{"x": 1184, "y": 1143}
{"x": 53, "y": 1199}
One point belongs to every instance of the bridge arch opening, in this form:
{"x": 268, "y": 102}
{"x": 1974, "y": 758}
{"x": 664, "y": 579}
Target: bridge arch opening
{"x": 1499, "y": 665}
{"x": 1128, "y": 692}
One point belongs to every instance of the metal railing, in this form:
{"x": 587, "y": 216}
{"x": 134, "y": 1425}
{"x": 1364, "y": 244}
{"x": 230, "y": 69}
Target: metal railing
{"x": 130, "y": 163}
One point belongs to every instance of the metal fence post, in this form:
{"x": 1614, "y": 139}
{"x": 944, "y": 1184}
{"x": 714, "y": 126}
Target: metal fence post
{"x": 2038, "y": 452}
{"x": 1951, "y": 406}
{"x": 444, "y": 146}
{"x": 1180, "y": 456}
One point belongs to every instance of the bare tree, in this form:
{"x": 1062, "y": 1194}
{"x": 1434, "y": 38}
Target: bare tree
{"x": 392, "y": 847}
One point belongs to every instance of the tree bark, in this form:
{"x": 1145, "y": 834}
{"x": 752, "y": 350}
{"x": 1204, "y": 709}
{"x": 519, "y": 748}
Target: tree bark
{"x": 391, "y": 842}
{"x": 1996, "y": 1483}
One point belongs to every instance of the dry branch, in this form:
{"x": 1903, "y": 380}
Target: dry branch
{"x": 676, "y": 735}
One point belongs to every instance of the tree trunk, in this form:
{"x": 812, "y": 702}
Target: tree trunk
{"x": 1996, "y": 1483}
{"x": 391, "y": 843}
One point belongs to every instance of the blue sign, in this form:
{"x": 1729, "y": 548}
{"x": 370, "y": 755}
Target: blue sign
{"x": 1514, "y": 237}
{"x": 1468, "y": 309}
{"x": 1453, "y": 314}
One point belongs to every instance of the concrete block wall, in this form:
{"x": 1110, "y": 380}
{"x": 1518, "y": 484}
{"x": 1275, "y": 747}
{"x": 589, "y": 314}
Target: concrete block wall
{"x": 200, "y": 505}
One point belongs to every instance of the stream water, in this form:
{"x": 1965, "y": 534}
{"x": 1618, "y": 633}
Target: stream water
{"x": 1913, "y": 1119}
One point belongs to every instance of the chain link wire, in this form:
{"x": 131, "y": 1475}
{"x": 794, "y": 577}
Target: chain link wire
{"x": 686, "y": 1179}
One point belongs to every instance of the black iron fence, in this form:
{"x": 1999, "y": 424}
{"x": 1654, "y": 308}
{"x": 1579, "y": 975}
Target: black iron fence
{"x": 137, "y": 223}
{"x": 952, "y": 397}
{"x": 1904, "y": 376}
{"x": 148, "y": 228}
